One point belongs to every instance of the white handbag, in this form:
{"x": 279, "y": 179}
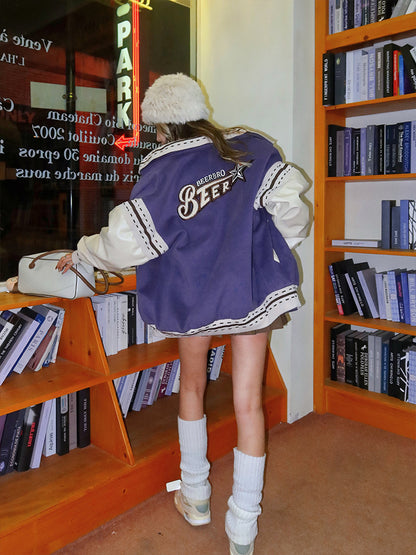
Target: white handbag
{"x": 38, "y": 276}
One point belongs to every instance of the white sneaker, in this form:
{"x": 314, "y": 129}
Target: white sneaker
{"x": 236, "y": 549}
{"x": 196, "y": 513}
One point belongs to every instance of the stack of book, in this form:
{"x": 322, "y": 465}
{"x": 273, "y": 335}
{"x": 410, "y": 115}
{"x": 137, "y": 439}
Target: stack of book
{"x": 380, "y": 361}
{"x": 53, "y": 427}
{"x": 372, "y": 150}
{"x": 119, "y": 322}
{"x": 377, "y": 71}
{"x": 398, "y": 224}
{"x": 389, "y": 295}
{"x": 349, "y": 14}
{"x": 141, "y": 389}
{"x": 29, "y": 338}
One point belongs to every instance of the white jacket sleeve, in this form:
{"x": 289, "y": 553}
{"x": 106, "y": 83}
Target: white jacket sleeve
{"x": 279, "y": 194}
{"x": 130, "y": 239}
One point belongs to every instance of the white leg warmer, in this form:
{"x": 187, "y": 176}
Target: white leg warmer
{"x": 244, "y": 503}
{"x": 194, "y": 463}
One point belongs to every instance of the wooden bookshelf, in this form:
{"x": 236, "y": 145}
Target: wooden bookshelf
{"x": 129, "y": 459}
{"x": 329, "y": 396}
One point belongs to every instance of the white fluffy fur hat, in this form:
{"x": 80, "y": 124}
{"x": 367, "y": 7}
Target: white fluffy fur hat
{"x": 174, "y": 98}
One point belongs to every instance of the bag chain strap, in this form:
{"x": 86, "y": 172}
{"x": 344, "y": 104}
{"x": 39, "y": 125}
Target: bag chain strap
{"x": 105, "y": 273}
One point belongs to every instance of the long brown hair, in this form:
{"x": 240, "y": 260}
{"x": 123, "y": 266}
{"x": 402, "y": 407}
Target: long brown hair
{"x": 191, "y": 129}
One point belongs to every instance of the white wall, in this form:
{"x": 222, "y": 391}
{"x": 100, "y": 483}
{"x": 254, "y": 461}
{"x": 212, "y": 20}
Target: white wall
{"x": 256, "y": 62}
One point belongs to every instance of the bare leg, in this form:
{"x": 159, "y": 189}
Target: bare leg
{"x": 193, "y": 353}
{"x": 249, "y": 352}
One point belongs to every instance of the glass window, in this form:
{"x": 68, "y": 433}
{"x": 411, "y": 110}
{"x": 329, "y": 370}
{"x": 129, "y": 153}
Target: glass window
{"x": 73, "y": 73}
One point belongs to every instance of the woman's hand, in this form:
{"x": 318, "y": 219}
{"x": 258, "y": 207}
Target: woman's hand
{"x": 65, "y": 263}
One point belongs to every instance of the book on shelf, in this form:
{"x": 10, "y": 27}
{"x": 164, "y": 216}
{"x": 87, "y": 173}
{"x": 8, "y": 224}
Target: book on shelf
{"x": 10, "y": 347}
{"x": 49, "y": 318}
{"x": 357, "y": 290}
{"x": 343, "y": 296}
{"x": 410, "y": 386}
{"x": 72, "y": 420}
{"x": 39, "y": 356}
{"x": 215, "y": 357}
{"x": 335, "y": 330}
{"x": 367, "y": 280}
{"x": 41, "y": 434}
{"x": 365, "y": 243}
{"x": 349, "y": 14}
{"x": 60, "y": 315}
{"x": 62, "y": 425}
{"x": 27, "y": 437}
{"x": 379, "y": 70}
{"x": 10, "y": 440}
{"x": 83, "y": 417}
{"x": 49, "y": 446}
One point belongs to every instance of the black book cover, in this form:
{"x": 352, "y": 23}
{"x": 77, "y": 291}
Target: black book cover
{"x": 363, "y": 361}
{"x": 385, "y": 9}
{"x": 335, "y": 330}
{"x": 27, "y": 439}
{"x": 394, "y": 354}
{"x": 400, "y": 367}
{"x": 332, "y": 149}
{"x": 12, "y": 336}
{"x": 10, "y": 440}
{"x": 348, "y": 14}
{"x": 388, "y": 50}
{"x": 352, "y": 272}
{"x": 83, "y": 413}
{"x": 391, "y": 149}
{"x": 386, "y": 212}
{"x": 347, "y": 300}
{"x": 400, "y": 147}
{"x": 350, "y": 358}
{"x": 340, "y": 341}
{"x": 328, "y": 89}
{"x": 380, "y": 132}
{"x": 409, "y": 65}
{"x": 62, "y": 425}
{"x": 356, "y": 151}
{"x": 339, "y": 77}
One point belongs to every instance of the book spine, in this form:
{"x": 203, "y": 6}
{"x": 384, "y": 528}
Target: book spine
{"x": 328, "y": 92}
{"x": 62, "y": 425}
{"x": 83, "y": 418}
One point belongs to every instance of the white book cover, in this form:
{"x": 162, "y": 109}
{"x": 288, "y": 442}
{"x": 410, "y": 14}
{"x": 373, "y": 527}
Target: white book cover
{"x": 29, "y": 329}
{"x": 59, "y": 324}
{"x": 154, "y": 335}
{"x": 5, "y": 330}
{"x": 156, "y": 384}
{"x": 127, "y": 392}
{"x": 386, "y": 291}
{"x": 349, "y": 77}
{"x": 356, "y": 91}
{"x": 138, "y": 399}
{"x": 371, "y": 72}
{"x": 364, "y": 75}
{"x": 177, "y": 382}
{"x": 172, "y": 377}
{"x": 41, "y": 434}
{"x": 122, "y": 321}
{"x": 380, "y": 296}
{"x": 49, "y": 447}
{"x": 411, "y": 280}
{"x": 49, "y": 319}
{"x": 365, "y": 243}
{"x": 100, "y": 306}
